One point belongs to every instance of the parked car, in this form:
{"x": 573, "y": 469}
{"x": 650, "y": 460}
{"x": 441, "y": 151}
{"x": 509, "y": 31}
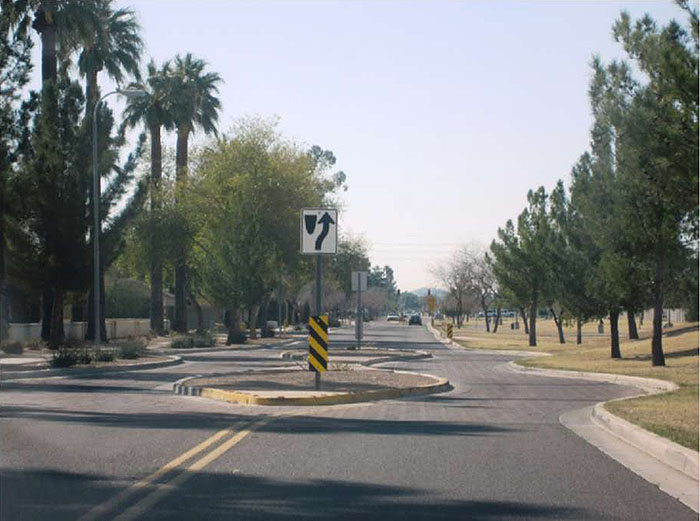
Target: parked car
{"x": 415, "y": 321}
{"x": 393, "y": 317}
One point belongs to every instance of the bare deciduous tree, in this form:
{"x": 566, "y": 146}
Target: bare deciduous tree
{"x": 468, "y": 278}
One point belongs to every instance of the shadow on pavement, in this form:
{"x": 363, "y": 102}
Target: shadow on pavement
{"x": 41, "y": 387}
{"x": 169, "y": 420}
{"x": 40, "y": 494}
{"x": 293, "y": 425}
{"x": 217, "y": 496}
{"x": 56, "y": 496}
{"x": 331, "y": 425}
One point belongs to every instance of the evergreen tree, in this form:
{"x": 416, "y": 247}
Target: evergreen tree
{"x": 521, "y": 258}
{"x": 653, "y": 126}
{"x": 53, "y": 195}
{"x": 15, "y": 66}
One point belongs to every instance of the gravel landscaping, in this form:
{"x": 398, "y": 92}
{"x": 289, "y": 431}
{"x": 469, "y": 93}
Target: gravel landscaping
{"x": 347, "y": 380}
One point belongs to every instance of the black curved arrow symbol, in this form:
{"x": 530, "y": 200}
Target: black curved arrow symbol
{"x": 326, "y": 221}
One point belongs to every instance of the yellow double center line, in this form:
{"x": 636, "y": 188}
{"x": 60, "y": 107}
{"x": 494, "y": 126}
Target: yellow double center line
{"x": 164, "y": 487}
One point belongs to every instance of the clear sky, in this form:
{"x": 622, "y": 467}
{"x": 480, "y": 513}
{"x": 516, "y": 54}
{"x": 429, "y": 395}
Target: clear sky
{"x": 442, "y": 114}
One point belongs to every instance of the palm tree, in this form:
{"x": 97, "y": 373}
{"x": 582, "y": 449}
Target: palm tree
{"x": 113, "y": 45}
{"x": 194, "y": 104}
{"x": 153, "y": 111}
{"x": 58, "y": 22}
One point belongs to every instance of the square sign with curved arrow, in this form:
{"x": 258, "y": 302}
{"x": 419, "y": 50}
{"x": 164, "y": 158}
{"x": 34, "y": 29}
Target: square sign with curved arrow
{"x": 319, "y": 230}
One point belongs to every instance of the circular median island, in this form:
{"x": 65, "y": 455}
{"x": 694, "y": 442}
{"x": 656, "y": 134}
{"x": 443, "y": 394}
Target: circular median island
{"x": 344, "y": 383}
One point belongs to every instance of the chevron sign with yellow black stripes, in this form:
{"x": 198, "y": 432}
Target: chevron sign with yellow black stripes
{"x": 318, "y": 343}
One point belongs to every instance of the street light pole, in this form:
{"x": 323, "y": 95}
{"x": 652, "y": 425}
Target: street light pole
{"x": 132, "y": 93}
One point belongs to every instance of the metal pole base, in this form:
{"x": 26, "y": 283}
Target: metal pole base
{"x": 318, "y": 381}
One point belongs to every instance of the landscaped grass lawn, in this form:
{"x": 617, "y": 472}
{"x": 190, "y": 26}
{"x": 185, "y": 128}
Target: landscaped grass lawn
{"x": 673, "y": 415}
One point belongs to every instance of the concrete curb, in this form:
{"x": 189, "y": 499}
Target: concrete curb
{"x": 668, "y": 452}
{"x": 86, "y": 371}
{"x": 438, "y": 336}
{"x": 647, "y": 385}
{"x": 674, "y": 455}
{"x": 418, "y": 355}
{"x": 328, "y": 398}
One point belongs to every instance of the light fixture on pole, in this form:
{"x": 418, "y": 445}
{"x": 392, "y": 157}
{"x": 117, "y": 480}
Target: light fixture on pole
{"x": 129, "y": 93}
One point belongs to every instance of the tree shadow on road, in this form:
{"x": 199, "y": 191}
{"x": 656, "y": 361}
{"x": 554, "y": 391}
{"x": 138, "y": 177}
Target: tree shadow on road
{"x": 217, "y": 496}
{"x": 294, "y": 425}
{"x": 55, "y": 495}
{"x": 41, "y": 494}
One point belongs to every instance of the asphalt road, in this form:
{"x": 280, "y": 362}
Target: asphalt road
{"x": 122, "y": 446}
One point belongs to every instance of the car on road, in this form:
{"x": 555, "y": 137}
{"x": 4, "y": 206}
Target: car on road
{"x": 415, "y": 321}
{"x": 393, "y": 317}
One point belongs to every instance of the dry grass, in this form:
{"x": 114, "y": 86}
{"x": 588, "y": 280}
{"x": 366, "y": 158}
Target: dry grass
{"x": 672, "y": 415}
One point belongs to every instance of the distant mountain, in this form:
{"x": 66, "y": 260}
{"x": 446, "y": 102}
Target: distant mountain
{"x": 422, "y": 292}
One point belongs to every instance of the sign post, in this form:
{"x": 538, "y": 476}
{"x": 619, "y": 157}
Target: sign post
{"x": 359, "y": 283}
{"x": 319, "y": 236}
{"x": 319, "y": 295}
{"x": 318, "y": 345}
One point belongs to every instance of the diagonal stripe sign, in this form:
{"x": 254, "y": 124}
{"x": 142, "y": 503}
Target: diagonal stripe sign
{"x": 318, "y": 343}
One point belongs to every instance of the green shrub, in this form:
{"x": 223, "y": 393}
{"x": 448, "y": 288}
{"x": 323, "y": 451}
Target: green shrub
{"x": 12, "y": 348}
{"x": 128, "y": 352}
{"x": 204, "y": 339}
{"x": 83, "y": 355}
{"x": 182, "y": 342}
{"x": 63, "y": 357}
{"x": 131, "y": 349}
{"x": 103, "y": 355}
